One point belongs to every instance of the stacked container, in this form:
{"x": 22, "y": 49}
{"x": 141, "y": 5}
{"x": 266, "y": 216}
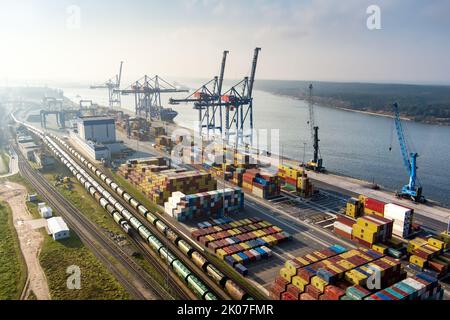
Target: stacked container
{"x": 205, "y": 204}
{"x": 402, "y": 217}
{"x": 343, "y": 227}
{"x": 372, "y": 229}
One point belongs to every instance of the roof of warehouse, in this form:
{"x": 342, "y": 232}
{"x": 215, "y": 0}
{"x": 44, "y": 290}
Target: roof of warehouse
{"x": 56, "y": 224}
{"x": 95, "y": 119}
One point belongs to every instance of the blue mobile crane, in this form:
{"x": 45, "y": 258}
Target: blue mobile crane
{"x": 413, "y": 190}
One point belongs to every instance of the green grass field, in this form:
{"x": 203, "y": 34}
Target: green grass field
{"x": 13, "y": 270}
{"x": 96, "y": 281}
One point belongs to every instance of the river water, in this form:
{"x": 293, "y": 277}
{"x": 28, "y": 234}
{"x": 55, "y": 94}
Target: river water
{"x": 352, "y": 144}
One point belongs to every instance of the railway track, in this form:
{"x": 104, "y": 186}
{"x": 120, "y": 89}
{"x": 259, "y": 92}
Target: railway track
{"x": 192, "y": 266}
{"x": 92, "y": 237}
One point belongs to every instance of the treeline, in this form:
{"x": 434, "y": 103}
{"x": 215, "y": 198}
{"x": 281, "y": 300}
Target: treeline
{"x": 419, "y": 102}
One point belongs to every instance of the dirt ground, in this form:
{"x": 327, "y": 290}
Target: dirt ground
{"x": 30, "y": 238}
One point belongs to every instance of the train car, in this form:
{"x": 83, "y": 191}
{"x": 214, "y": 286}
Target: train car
{"x": 92, "y": 191}
{"x": 106, "y": 194}
{"x": 108, "y": 181}
{"x": 103, "y": 176}
{"x": 79, "y": 176}
{"x": 197, "y": 286}
{"x": 89, "y": 165}
{"x": 161, "y": 226}
{"x": 120, "y": 191}
{"x": 134, "y": 203}
{"x": 185, "y": 248}
{"x": 126, "y": 197}
{"x": 144, "y": 232}
{"x": 119, "y": 207}
{"x": 218, "y": 276}
{"x": 199, "y": 260}
{"x": 112, "y": 200}
{"x": 209, "y": 296}
{"x": 155, "y": 243}
{"x": 135, "y": 223}
{"x": 172, "y": 236}
{"x": 82, "y": 180}
{"x": 117, "y": 217}
{"x": 165, "y": 254}
{"x": 98, "y": 173}
{"x": 151, "y": 218}
{"x": 142, "y": 210}
{"x": 235, "y": 291}
{"x": 110, "y": 209}
{"x": 97, "y": 197}
{"x": 114, "y": 186}
{"x": 181, "y": 270}
{"x": 126, "y": 214}
{"x": 125, "y": 226}
{"x": 103, "y": 202}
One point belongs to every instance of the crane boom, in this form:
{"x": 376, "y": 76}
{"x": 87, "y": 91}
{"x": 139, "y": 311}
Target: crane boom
{"x": 222, "y": 73}
{"x": 401, "y": 138}
{"x": 253, "y": 73}
{"x": 412, "y": 190}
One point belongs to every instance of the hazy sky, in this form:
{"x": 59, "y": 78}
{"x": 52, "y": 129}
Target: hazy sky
{"x": 300, "y": 39}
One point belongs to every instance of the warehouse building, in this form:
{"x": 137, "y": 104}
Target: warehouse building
{"x": 58, "y": 228}
{"x": 28, "y": 149}
{"x": 96, "y": 136}
{"x": 44, "y": 160}
{"x": 97, "y": 129}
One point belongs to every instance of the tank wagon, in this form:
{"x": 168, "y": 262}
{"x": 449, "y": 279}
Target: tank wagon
{"x": 197, "y": 258}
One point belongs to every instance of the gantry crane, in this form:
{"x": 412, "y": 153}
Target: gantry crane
{"x": 147, "y": 95}
{"x": 316, "y": 163}
{"x": 113, "y": 86}
{"x": 207, "y": 100}
{"x": 412, "y": 190}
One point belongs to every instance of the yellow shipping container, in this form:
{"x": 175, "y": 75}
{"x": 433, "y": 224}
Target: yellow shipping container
{"x": 285, "y": 274}
{"x": 418, "y": 261}
{"x": 299, "y": 283}
{"x": 290, "y": 265}
{"x": 311, "y": 257}
{"x": 370, "y": 211}
{"x": 237, "y": 258}
{"x": 221, "y": 253}
{"x": 445, "y": 236}
{"x": 368, "y": 224}
{"x": 436, "y": 243}
{"x": 319, "y": 283}
{"x": 303, "y": 261}
{"x": 380, "y": 248}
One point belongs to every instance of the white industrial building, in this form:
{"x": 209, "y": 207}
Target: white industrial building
{"x": 58, "y": 228}
{"x": 96, "y": 136}
{"x": 44, "y": 210}
{"x": 97, "y": 129}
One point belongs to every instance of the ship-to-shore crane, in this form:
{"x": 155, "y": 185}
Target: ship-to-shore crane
{"x": 203, "y": 98}
{"x": 113, "y": 85}
{"x": 412, "y": 190}
{"x": 316, "y": 163}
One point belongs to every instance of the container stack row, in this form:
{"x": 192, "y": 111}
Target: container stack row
{"x": 401, "y": 216}
{"x": 213, "y": 204}
{"x": 261, "y": 184}
{"x": 429, "y": 255}
{"x": 295, "y": 180}
{"x": 326, "y": 274}
{"x": 157, "y": 181}
{"x": 240, "y": 242}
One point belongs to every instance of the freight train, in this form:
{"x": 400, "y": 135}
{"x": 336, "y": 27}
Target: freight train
{"x": 125, "y": 218}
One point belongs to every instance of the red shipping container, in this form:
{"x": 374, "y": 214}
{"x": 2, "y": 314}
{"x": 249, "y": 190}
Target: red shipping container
{"x": 305, "y": 275}
{"x": 281, "y": 282}
{"x": 306, "y": 297}
{"x": 294, "y": 291}
{"x": 374, "y": 205}
{"x": 288, "y": 296}
{"x": 333, "y": 292}
{"x": 313, "y": 291}
{"x": 436, "y": 266}
{"x": 345, "y": 220}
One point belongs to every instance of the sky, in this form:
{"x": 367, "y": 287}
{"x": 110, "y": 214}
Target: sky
{"x": 46, "y": 41}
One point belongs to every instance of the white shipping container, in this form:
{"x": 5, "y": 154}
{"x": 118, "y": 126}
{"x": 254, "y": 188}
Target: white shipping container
{"x": 342, "y": 227}
{"x": 396, "y": 212}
